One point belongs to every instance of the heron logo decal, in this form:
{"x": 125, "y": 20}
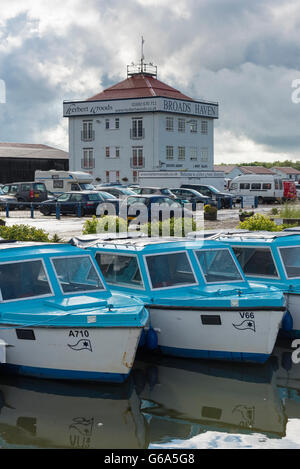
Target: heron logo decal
{"x": 244, "y": 325}
{"x": 82, "y": 344}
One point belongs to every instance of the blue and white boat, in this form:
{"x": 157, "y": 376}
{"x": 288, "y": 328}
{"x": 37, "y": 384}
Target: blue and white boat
{"x": 58, "y": 318}
{"x": 199, "y": 301}
{"x": 271, "y": 258}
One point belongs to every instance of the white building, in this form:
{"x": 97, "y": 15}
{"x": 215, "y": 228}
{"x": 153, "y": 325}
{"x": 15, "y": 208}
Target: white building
{"x": 286, "y": 172}
{"x": 140, "y": 124}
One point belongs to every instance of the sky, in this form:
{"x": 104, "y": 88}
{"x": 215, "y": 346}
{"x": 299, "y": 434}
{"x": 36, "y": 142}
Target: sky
{"x": 244, "y": 54}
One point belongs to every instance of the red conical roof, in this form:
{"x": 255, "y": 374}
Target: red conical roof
{"x": 139, "y": 86}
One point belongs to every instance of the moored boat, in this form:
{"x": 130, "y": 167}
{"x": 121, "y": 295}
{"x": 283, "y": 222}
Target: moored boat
{"x": 58, "y": 318}
{"x": 271, "y": 258}
{"x": 199, "y": 301}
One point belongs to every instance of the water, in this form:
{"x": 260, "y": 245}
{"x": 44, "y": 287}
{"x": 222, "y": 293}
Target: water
{"x": 166, "y": 403}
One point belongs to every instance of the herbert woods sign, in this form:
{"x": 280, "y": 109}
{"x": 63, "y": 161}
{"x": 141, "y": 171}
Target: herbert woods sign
{"x": 192, "y": 108}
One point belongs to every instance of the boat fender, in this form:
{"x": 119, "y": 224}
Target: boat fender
{"x": 142, "y": 341}
{"x": 151, "y": 339}
{"x": 152, "y": 376}
{"x": 287, "y": 321}
{"x": 286, "y": 361}
{"x": 139, "y": 380}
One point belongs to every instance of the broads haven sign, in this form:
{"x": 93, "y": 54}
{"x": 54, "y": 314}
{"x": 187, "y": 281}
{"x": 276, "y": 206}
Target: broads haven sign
{"x": 192, "y": 108}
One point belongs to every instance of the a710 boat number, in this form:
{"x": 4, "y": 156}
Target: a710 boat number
{"x": 79, "y": 333}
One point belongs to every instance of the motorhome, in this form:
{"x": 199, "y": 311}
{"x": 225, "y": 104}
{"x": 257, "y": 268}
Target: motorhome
{"x": 59, "y": 182}
{"x": 266, "y": 187}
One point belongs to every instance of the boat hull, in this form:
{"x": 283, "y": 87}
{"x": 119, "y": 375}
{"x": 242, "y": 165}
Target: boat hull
{"x": 103, "y": 354}
{"x": 293, "y": 305}
{"x": 219, "y": 334}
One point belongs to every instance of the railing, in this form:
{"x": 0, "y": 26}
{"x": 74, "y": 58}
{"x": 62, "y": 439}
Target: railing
{"x": 137, "y": 134}
{"x": 23, "y": 209}
{"x": 88, "y": 164}
{"x": 87, "y": 136}
{"x": 140, "y": 163}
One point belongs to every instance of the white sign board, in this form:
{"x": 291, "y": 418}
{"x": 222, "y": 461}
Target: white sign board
{"x": 159, "y": 104}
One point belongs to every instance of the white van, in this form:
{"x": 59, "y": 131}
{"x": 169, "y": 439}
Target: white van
{"x": 59, "y": 182}
{"x": 265, "y": 187}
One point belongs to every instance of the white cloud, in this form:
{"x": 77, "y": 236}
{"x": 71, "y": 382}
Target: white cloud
{"x": 242, "y": 54}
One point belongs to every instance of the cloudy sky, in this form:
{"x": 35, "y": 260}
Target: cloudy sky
{"x": 245, "y": 54}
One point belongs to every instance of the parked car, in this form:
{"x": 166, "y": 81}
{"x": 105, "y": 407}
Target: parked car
{"x": 9, "y": 200}
{"x": 225, "y": 199}
{"x": 289, "y": 190}
{"x": 26, "y": 191}
{"x": 267, "y": 188}
{"x": 193, "y": 196}
{"x": 132, "y": 206}
{"x": 118, "y": 191}
{"x": 155, "y": 191}
{"x": 69, "y": 203}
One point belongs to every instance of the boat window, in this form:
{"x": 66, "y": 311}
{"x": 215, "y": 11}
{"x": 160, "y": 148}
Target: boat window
{"x": 218, "y": 265}
{"x": 77, "y": 274}
{"x": 170, "y": 270}
{"x": 291, "y": 260}
{"x": 23, "y": 280}
{"x": 120, "y": 269}
{"x": 256, "y": 261}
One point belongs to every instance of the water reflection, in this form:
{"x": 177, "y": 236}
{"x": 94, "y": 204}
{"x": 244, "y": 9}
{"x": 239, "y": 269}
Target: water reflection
{"x": 46, "y": 414}
{"x": 164, "y": 400}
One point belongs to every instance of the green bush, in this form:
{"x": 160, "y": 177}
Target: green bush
{"x": 290, "y": 210}
{"x": 170, "y": 227}
{"x": 108, "y": 223}
{"x": 23, "y": 233}
{"x": 260, "y": 223}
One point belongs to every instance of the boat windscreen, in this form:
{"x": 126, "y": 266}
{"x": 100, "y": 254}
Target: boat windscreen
{"x": 291, "y": 261}
{"x": 256, "y": 261}
{"x": 170, "y": 270}
{"x": 25, "y": 279}
{"x": 120, "y": 269}
{"x": 218, "y": 265}
{"x": 77, "y": 274}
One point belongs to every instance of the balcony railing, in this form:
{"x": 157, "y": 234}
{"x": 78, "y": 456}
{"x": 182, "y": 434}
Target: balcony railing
{"x": 138, "y": 163}
{"x": 88, "y": 164}
{"x": 87, "y": 136}
{"x": 137, "y": 134}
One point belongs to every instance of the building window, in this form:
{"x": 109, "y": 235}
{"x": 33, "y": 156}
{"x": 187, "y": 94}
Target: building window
{"x": 193, "y": 126}
{"x": 107, "y": 176}
{"x": 107, "y": 123}
{"x": 204, "y": 155}
{"x": 135, "y": 176}
{"x": 181, "y": 125}
{"x": 169, "y": 152}
{"x": 137, "y": 130}
{"x": 169, "y": 124}
{"x": 107, "y": 152}
{"x": 117, "y": 123}
{"x": 204, "y": 127}
{"x": 88, "y": 161}
{"x": 87, "y": 133}
{"x": 117, "y": 152}
{"x": 137, "y": 160}
{"x": 181, "y": 153}
{"x": 193, "y": 153}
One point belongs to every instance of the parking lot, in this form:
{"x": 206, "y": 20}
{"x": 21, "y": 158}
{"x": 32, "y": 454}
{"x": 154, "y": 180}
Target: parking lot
{"x": 68, "y": 226}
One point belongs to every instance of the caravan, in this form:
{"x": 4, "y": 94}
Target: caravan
{"x": 267, "y": 188}
{"x": 59, "y": 182}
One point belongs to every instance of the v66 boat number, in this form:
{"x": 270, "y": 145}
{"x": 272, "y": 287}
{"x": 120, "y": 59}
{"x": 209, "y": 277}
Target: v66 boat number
{"x": 247, "y": 315}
